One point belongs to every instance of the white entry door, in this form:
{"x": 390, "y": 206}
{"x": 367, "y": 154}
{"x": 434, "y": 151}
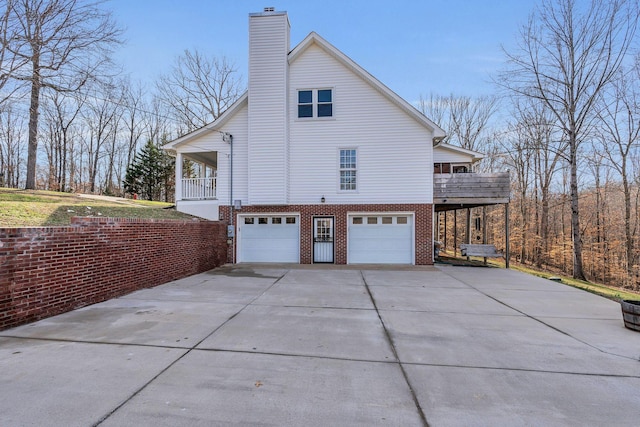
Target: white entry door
{"x": 323, "y": 239}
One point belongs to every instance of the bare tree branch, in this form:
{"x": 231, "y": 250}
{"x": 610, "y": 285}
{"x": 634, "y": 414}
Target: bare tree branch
{"x": 199, "y": 89}
{"x": 60, "y": 45}
{"x": 569, "y": 52}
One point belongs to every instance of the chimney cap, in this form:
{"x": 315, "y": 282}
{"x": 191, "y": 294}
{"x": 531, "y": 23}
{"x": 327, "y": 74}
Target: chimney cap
{"x": 270, "y": 9}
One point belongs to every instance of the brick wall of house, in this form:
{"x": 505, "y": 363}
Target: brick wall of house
{"x": 423, "y": 226}
{"x": 49, "y": 270}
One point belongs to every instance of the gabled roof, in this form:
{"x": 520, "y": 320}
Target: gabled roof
{"x": 314, "y": 38}
{"x": 475, "y": 156}
{"x": 311, "y": 39}
{"x": 211, "y": 127}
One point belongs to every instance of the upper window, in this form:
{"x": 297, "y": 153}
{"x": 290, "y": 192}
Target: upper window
{"x": 315, "y": 103}
{"x": 325, "y": 103}
{"x": 348, "y": 170}
{"x": 305, "y": 103}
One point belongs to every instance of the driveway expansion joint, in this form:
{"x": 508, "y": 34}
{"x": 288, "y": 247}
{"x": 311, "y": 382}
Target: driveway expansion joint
{"x": 544, "y": 323}
{"x": 389, "y": 339}
{"x": 166, "y": 368}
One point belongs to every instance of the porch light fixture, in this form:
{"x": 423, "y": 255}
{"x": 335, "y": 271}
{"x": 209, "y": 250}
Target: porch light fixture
{"x": 322, "y": 199}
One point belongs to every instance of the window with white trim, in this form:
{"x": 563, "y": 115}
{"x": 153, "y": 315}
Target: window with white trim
{"x": 325, "y": 103}
{"x": 315, "y": 103}
{"x": 348, "y": 170}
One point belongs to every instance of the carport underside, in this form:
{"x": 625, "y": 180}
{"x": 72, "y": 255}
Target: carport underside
{"x": 455, "y": 192}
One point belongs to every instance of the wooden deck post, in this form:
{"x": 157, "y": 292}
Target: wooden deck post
{"x": 484, "y": 228}
{"x": 455, "y": 232}
{"x": 506, "y": 235}
{"x": 484, "y": 225}
{"x": 446, "y": 214}
{"x": 468, "y": 225}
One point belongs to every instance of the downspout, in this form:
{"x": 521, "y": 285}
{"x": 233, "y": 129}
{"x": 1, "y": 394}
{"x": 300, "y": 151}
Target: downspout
{"x": 227, "y": 137}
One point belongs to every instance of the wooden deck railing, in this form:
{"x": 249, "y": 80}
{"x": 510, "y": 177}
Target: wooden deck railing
{"x": 198, "y": 188}
{"x": 467, "y": 187}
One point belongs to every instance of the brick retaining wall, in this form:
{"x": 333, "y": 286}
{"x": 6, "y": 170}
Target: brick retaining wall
{"x": 50, "y": 270}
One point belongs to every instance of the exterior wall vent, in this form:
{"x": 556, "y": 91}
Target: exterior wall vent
{"x": 269, "y": 9}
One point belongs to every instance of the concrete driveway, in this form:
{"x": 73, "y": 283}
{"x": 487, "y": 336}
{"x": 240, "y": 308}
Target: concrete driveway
{"x": 289, "y": 345}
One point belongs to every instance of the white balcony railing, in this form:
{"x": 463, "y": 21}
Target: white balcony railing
{"x": 199, "y": 188}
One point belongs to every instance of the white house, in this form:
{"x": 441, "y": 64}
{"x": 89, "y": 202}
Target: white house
{"x": 318, "y": 162}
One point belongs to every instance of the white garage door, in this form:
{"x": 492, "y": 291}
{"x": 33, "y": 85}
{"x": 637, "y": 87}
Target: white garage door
{"x": 268, "y": 238}
{"x": 380, "y": 239}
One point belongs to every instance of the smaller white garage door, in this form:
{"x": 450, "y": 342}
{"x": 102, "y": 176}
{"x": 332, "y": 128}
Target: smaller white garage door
{"x": 268, "y": 238}
{"x": 380, "y": 239}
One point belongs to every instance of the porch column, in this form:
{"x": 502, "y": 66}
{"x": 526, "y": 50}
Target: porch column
{"x": 178, "y": 176}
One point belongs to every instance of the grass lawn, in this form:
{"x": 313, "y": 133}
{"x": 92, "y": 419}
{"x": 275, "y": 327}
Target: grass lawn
{"x": 28, "y": 208}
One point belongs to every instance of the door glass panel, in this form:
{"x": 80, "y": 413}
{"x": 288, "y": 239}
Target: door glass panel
{"x": 324, "y": 230}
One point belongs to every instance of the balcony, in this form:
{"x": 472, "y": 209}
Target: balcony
{"x": 467, "y": 190}
{"x": 198, "y": 188}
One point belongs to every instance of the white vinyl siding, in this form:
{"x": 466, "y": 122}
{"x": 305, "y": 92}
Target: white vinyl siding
{"x": 395, "y": 163}
{"x": 442, "y": 155}
{"x": 268, "y": 108}
{"x": 212, "y": 141}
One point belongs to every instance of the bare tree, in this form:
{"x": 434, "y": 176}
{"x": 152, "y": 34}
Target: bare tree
{"x": 466, "y": 120}
{"x": 60, "y": 44}
{"x": 470, "y": 119}
{"x": 11, "y": 146}
{"x": 519, "y": 158}
{"x": 8, "y": 62}
{"x": 198, "y": 89}
{"x": 60, "y": 113}
{"x": 620, "y": 135}
{"x": 100, "y": 117}
{"x": 157, "y": 123}
{"x": 537, "y": 126}
{"x": 134, "y": 108}
{"x": 569, "y": 52}
{"x": 437, "y": 108}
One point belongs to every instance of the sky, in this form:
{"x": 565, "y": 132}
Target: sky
{"x": 415, "y": 47}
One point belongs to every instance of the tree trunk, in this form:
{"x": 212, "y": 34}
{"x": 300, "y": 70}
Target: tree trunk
{"x": 627, "y": 225}
{"x": 63, "y": 161}
{"x": 578, "y": 270}
{"x": 544, "y": 227}
{"x": 34, "y": 110}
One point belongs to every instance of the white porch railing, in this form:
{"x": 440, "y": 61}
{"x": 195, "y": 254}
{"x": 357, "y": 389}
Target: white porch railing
{"x": 198, "y": 188}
